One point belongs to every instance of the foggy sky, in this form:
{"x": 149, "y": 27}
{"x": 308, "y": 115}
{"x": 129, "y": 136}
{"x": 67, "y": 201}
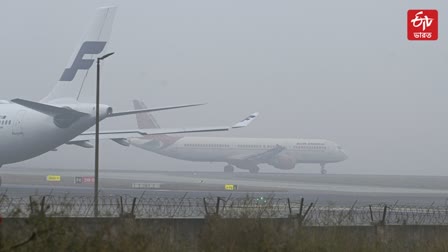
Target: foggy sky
{"x": 339, "y": 70}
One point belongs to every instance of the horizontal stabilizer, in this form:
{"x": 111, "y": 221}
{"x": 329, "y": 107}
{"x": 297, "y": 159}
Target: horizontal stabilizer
{"x": 48, "y": 109}
{"x": 84, "y": 144}
{"x": 246, "y": 121}
{"x": 121, "y": 141}
{"x": 130, "y": 112}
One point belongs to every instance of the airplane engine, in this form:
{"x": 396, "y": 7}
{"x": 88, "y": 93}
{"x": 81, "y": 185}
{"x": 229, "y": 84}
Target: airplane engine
{"x": 245, "y": 165}
{"x": 283, "y": 163}
{"x": 252, "y": 167}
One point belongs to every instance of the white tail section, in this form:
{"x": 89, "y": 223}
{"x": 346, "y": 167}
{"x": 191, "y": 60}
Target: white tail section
{"x": 147, "y": 121}
{"x": 144, "y": 120}
{"x": 91, "y": 46}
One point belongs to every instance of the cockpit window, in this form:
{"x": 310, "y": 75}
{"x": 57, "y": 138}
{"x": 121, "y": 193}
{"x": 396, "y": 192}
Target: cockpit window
{"x": 339, "y": 147}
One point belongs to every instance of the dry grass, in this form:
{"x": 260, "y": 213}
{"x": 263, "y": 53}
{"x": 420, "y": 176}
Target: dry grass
{"x": 235, "y": 229}
{"x": 213, "y": 234}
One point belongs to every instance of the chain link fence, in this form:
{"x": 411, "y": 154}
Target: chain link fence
{"x": 308, "y": 213}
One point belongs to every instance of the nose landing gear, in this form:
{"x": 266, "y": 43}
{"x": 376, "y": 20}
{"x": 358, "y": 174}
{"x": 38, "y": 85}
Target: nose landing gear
{"x": 322, "y": 169}
{"x": 254, "y": 169}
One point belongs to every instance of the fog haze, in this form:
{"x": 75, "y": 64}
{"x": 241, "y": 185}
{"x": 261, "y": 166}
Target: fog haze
{"x": 342, "y": 71}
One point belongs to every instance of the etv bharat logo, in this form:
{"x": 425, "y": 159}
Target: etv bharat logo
{"x": 423, "y": 25}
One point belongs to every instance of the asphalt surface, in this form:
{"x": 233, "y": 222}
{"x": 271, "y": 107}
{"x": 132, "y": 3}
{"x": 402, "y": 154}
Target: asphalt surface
{"x": 326, "y": 189}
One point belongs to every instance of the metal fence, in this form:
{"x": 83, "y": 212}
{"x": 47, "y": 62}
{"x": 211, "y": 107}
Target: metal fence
{"x": 308, "y": 213}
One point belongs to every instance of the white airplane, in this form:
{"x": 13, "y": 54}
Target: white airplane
{"x": 29, "y": 129}
{"x": 244, "y": 153}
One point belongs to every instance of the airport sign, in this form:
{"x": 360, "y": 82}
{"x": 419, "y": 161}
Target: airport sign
{"x": 84, "y": 180}
{"x": 88, "y": 180}
{"x": 54, "y": 178}
{"x": 230, "y": 187}
{"x": 146, "y": 185}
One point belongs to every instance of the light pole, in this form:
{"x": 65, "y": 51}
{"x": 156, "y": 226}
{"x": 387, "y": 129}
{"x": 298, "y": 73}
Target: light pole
{"x": 97, "y": 129}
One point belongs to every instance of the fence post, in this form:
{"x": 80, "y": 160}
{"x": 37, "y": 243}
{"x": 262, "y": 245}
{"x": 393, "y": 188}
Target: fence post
{"x": 133, "y": 207}
{"x": 180, "y": 205}
{"x": 380, "y": 228}
{"x": 205, "y": 206}
{"x": 301, "y": 217}
{"x": 124, "y": 214}
{"x": 42, "y": 205}
{"x": 371, "y": 213}
{"x": 37, "y": 209}
{"x": 121, "y": 206}
{"x": 301, "y": 206}
{"x": 217, "y": 206}
{"x": 383, "y": 221}
{"x": 307, "y": 211}
{"x": 289, "y": 207}
{"x": 31, "y": 205}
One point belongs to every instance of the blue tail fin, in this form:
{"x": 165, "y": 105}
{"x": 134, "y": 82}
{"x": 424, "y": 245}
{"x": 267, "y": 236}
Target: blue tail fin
{"x": 91, "y": 46}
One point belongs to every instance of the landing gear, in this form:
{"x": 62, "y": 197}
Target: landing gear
{"x": 322, "y": 169}
{"x": 229, "y": 168}
{"x": 254, "y": 169}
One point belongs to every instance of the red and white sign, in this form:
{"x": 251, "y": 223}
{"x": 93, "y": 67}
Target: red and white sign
{"x": 423, "y": 25}
{"x": 84, "y": 180}
{"x": 88, "y": 180}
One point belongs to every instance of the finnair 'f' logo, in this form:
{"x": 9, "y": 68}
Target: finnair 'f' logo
{"x": 88, "y": 47}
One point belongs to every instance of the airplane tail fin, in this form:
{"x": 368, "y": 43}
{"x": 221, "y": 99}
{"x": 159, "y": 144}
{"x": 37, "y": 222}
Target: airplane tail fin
{"x": 90, "y": 47}
{"x": 148, "y": 121}
{"x": 144, "y": 120}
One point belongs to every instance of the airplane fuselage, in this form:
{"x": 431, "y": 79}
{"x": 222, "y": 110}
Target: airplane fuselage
{"x": 27, "y": 133}
{"x": 242, "y": 152}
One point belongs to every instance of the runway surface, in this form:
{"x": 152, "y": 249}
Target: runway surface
{"x": 327, "y": 189}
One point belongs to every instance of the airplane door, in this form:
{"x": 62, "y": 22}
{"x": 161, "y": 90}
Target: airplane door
{"x": 17, "y": 124}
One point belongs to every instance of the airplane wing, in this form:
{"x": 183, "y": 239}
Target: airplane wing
{"x": 130, "y": 112}
{"x": 261, "y": 157}
{"x": 121, "y": 136}
{"x": 246, "y": 121}
{"x": 54, "y": 110}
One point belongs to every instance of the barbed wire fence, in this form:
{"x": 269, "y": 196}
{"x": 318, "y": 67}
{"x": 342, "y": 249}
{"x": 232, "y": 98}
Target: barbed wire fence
{"x": 148, "y": 206}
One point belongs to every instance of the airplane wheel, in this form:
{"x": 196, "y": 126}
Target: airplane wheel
{"x": 254, "y": 169}
{"x": 322, "y": 169}
{"x": 229, "y": 168}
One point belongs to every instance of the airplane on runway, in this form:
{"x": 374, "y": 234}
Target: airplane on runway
{"x": 29, "y": 129}
{"x": 244, "y": 153}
